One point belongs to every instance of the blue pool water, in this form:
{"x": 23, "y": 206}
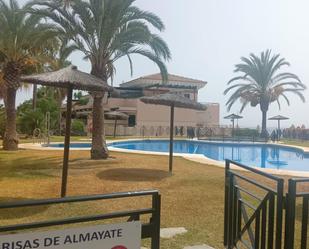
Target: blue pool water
{"x": 258, "y": 155}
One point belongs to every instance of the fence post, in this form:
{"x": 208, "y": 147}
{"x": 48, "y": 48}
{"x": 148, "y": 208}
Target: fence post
{"x": 155, "y": 220}
{"x": 290, "y": 217}
{"x": 304, "y": 230}
{"x": 280, "y": 206}
{"x": 226, "y": 202}
{"x": 231, "y": 207}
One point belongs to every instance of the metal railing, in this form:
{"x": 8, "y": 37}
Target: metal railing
{"x": 264, "y": 224}
{"x": 236, "y": 139}
{"x": 149, "y": 230}
{"x": 164, "y": 131}
{"x": 37, "y": 136}
{"x": 293, "y": 198}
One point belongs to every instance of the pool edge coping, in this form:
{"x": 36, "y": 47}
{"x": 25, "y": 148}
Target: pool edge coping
{"x": 198, "y": 158}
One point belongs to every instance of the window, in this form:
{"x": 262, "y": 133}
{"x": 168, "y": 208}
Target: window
{"x": 132, "y": 120}
{"x": 187, "y": 95}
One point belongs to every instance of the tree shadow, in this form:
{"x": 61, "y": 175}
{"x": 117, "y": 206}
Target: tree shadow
{"x": 128, "y": 175}
{"x": 26, "y": 167}
{"x": 21, "y": 212}
{"x": 86, "y": 163}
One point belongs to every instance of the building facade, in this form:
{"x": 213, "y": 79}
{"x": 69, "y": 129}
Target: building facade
{"x": 152, "y": 119}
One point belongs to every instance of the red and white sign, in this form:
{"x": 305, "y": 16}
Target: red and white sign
{"x": 114, "y": 236}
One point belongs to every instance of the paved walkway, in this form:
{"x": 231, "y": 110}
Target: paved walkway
{"x": 192, "y": 247}
{"x": 198, "y": 247}
{"x": 168, "y": 233}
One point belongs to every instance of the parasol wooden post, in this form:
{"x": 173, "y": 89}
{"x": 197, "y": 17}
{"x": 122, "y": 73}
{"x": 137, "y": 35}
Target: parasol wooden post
{"x": 66, "y": 144}
{"x": 278, "y": 124}
{"x": 279, "y": 132}
{"x": 115, "y": 127}
{"x": 171, "y": 139}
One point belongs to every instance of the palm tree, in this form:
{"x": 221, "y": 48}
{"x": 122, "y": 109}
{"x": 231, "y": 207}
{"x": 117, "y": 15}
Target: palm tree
{"x": 22, "y": 37}
{"x": 105, "y": 31}
{"x": 262, "y": 84}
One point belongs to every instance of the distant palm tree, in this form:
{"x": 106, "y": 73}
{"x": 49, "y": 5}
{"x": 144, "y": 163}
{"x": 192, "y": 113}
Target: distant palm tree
{"x": 105, "y": 31}
{"x": 262, "y": 84}
{"x": 22, "y": 38}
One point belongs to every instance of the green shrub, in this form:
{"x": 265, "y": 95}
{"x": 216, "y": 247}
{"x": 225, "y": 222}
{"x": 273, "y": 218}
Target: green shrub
{"x": 78, "y": 127}
{"x": 245, "y": 132}
{"x": 83, "y": 101}
{"x": 29, "y": 119}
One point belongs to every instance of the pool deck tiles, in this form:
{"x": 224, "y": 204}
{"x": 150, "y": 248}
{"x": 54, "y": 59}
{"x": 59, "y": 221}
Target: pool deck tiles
{"x": 168, "y": 233}
{"x": 198, "y": 247}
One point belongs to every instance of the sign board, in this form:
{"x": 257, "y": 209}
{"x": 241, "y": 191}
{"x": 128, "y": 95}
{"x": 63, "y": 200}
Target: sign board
{"x": 114, "y": 236}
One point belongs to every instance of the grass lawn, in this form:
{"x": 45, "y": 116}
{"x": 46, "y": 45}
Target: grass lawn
{"x": 296, "y": 142}
{"x": 192, "y": 197}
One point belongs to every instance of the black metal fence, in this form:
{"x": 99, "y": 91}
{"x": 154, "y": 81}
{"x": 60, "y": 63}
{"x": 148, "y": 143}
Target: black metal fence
{"x": 150, "y": 229}
{"x": 236, "y": 139}
{"x": 299, "y": 133}
{"x": 253, "y": 211}
{"x": 297, "y": 238}
{"x": 255, "y": 207}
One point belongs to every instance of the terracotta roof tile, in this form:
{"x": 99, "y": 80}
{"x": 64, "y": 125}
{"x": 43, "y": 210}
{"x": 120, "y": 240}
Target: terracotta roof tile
{"x": 171, "y": 78}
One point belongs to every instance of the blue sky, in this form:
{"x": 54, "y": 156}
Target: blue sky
{"x": 208, "y": 37}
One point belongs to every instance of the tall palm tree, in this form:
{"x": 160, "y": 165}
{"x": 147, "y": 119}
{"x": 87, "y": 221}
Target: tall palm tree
{"x": 105, "y": 31}
{"x": 22, "y": 37}
{"x": 260, "y": 83}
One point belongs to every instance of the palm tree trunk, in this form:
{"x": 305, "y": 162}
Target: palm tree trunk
{"x": 34, "y": 96}
{"x": 264, "y": 105}
{"x": 10, "y": 141}
{"x": 264, "y": 133}
{"x": 99, "y": 148}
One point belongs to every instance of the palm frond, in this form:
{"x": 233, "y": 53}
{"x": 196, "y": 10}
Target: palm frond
{"x": 153, "y": 57}
{"x": 107, "y": 30}
{"x": 297, "y": 92}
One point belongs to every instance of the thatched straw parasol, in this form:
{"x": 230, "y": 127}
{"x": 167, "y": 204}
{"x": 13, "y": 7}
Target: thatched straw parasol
{"x": 173, "y": 100}
{"x": 69, "y": 78}
{"x": 279, "y": 118}
{"x": 233, "y": 117}
{"x": 116, "y": 116}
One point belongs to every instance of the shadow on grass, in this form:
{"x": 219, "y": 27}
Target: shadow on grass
{"x": 140, "y": 175}
{"x": 86, "y": 163}
{"x": 17, "y": 213}
{"x": 27, "y": 167}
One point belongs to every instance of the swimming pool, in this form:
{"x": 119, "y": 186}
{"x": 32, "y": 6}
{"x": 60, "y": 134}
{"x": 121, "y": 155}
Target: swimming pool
{"x": 268, "y": 156}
